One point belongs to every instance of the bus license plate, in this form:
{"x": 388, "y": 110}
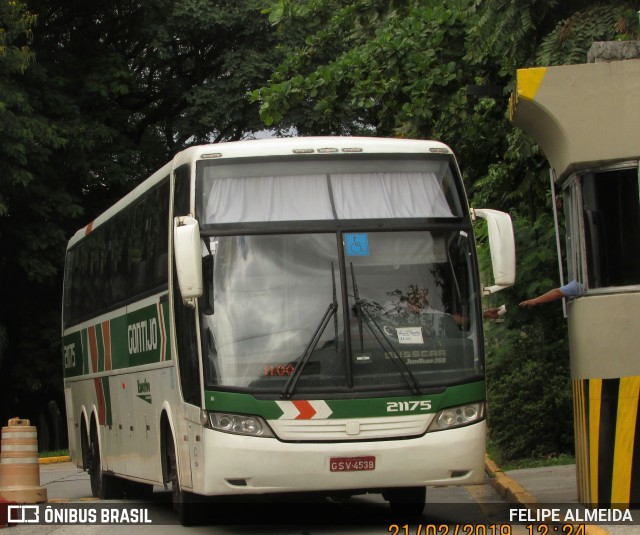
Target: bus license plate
{"x": 352, "y": 464}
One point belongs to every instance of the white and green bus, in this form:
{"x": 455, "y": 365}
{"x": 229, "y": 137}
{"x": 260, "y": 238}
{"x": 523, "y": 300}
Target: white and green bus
{"x": 282, "y": 315}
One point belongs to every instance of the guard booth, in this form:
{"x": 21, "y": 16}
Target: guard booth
{"x": 586, "y": 119}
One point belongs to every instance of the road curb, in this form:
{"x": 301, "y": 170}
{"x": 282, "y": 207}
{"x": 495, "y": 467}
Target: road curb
{"x": 51, "y": 460}
{"x": 513, "y": 492}
{"x": 508, "y": 488}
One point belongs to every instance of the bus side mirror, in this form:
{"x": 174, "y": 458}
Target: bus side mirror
{"x": 188, "y": 255}
{"x": 502, "y": 246}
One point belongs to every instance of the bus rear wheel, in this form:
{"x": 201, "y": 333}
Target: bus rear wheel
{"x": 406, "y": 502}
{"x": 103, "y": 486}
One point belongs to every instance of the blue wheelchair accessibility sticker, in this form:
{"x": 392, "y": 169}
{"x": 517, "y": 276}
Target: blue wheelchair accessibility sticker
{"x": 357, "y": 244}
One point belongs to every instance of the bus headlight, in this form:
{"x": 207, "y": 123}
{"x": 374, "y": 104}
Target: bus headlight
{"x": 239, "y": 424}
{"x": 457, "y": 416}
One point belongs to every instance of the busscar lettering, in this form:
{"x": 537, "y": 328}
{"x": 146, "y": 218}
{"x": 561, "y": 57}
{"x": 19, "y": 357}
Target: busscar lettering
{"x": 143, "y": 336}
{"x": 425, "y": 356}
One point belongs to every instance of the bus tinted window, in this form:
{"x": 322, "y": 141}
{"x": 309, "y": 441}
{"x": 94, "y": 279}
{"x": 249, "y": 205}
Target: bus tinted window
{"x": 120, "y": 259}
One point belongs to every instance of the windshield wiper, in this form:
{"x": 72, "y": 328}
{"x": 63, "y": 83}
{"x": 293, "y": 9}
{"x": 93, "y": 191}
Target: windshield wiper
{"x": 400, "y": 365}
{"x": 290, "y": 387}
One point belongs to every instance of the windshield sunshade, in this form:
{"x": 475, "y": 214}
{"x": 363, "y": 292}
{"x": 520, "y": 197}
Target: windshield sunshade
{"x": 306, "y": 191}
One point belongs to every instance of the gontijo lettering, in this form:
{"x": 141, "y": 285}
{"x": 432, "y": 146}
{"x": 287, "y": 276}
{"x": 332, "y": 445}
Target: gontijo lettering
{"x": 143, "y": 336}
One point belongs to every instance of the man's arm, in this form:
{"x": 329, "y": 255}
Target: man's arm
{"x": 552, "y": 295}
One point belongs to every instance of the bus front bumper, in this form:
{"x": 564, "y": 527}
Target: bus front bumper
{"x": 233, "y": 464}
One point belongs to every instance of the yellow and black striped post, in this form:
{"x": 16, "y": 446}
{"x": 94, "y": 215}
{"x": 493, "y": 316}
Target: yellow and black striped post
{"x": 607, "y": 436}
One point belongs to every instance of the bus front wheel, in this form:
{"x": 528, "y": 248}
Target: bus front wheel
{"x": 187, "y": 505}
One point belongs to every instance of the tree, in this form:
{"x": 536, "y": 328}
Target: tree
{"x": 412, "y": 69}
{"x": 26, "y": 139}
{"x": 105, "y": 93}
{"x": 15, "y": 25}
{"x": 372, "y": 66}
{"x": 528, "y": 371}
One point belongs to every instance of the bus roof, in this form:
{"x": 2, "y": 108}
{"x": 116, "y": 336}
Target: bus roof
{"x": 288, "y": 146}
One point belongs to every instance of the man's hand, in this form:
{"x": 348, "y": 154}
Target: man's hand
{"x": 491, "y": 313}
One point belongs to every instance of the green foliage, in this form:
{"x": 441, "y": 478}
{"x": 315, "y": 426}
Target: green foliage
{"x": 15, "y": 55}
{"x": 530, "y": 406}
{"x": 92, "y": 99}
{"x": 53, "y": 453}
{"x": 374, "y": 66}
{"x": 16, "y": 23}
{"x": 528, "y": 374}
{"x": 504, "y": 35}
{"x": 528, "y": 378}
{"x": 571, "y": 39}
{"x": 528, "y": 462}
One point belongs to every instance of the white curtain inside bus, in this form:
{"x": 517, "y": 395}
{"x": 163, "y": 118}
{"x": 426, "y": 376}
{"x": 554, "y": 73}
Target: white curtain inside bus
{"x": 247, "y": 193}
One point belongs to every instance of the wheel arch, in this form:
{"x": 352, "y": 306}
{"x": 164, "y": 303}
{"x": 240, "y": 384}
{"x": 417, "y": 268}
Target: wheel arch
{"x": 84, "y": 439}
{"x": 167, "y": 433}
{"x": 88, "y": 418}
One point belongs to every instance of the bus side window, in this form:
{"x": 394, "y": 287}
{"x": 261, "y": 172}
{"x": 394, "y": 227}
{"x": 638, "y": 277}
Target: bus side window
{"x": 185, "y": 317}
{"x": 147, "y": 236}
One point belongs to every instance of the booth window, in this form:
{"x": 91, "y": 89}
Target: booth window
{"x": 610, "y": 226}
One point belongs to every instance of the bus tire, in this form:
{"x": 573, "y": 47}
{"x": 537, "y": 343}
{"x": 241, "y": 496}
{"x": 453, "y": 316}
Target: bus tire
{"x": 406, "y": 502}
{"x": 103, "y": 486}
{"x": 187, "y": 505}
{"x": 84, "y": 445}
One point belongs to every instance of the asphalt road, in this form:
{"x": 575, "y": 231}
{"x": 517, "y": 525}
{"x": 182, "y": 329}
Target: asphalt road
{"x": 447, "y": 508}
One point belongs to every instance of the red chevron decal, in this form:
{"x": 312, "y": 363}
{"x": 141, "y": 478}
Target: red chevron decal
{"x": 93, "y": 348}
{"x": 306, "y": 410}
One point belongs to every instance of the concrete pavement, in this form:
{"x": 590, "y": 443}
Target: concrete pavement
{"x": 552, "y": 490}
{"x": 535, "y": 492}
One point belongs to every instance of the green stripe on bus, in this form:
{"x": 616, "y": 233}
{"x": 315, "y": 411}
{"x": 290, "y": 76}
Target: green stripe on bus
{"x": 100, "y": 339}
{"x": 84, "y": 353}
{"x": 119, "y": 351}
{"x": 137, "y": 338}
{"x": 347, "y": 408}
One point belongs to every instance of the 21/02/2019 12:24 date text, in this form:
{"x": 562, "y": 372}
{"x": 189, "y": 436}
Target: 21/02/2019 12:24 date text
{"x": 482, "y": 529}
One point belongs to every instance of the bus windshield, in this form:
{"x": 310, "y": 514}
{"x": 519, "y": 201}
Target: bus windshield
{"x": 276, "y": 310}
